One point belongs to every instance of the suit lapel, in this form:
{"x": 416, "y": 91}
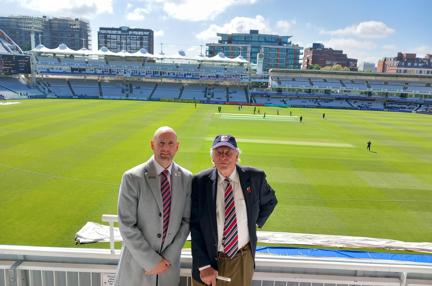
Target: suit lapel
{"x": 152, "y": 178}
{"x": 245, "y": 185}
{"x": 211, "y": 200}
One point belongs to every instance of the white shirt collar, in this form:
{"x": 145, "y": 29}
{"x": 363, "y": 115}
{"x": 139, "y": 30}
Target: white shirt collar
{"x": 233, "y": 177}
{"x": 160, "y": 169}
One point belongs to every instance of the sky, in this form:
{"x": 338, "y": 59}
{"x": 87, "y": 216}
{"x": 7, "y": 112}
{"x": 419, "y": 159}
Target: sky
{"x": 364, "y": 29}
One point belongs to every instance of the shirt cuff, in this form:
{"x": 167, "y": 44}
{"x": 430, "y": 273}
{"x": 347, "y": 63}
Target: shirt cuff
{"x": 204, "y": 267}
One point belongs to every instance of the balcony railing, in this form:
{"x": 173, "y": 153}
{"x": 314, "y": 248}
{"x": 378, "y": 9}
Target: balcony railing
{"x": 52, "y": 266}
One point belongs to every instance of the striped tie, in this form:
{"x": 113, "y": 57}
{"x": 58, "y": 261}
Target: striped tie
{"x": 230, "y": 235}
{"x": 166, "y": 199}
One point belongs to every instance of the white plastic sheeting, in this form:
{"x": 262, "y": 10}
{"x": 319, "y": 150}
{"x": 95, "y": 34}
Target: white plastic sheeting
{"x": 94, "y": 232}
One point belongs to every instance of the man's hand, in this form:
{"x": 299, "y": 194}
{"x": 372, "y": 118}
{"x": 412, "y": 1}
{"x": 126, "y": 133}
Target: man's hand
{"x": 161, "y": 267}
{"x": 208, "y": 276}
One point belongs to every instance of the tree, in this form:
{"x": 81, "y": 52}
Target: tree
{"x": 336, "y": 67}
{"x": 314, "y": 67}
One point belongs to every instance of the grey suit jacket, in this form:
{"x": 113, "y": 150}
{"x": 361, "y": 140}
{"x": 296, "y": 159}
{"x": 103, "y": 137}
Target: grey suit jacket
{"x": 140, "y": 221}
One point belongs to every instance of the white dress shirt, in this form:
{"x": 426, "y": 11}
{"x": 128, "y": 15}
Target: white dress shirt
{"x": 240, "y": 206}
{"x": 160, "y": 169}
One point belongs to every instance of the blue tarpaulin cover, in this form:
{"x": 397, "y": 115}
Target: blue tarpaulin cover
{"x": 316, "y": 252}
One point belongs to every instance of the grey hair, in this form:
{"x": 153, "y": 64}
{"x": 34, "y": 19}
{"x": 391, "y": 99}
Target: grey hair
{"x": 237, "y": 149}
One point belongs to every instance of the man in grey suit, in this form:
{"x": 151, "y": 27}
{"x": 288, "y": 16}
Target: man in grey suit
{"x": 154, "y": 211}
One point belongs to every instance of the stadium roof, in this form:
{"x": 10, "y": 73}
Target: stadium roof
{"x": 104, "y": 51}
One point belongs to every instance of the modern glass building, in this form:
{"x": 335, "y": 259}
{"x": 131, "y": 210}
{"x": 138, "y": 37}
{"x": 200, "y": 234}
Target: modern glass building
{"x": 125, "y": 38}
{"x": 278, "y": 51}
{"x": 28, "y": 32}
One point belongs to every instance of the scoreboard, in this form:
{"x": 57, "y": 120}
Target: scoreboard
{"x": 14, "y": 64}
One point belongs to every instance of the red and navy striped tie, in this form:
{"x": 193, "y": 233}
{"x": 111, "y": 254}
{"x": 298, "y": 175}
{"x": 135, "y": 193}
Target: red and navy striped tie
{"x": 230, "y": 235}
{"x": 166, "y": 199}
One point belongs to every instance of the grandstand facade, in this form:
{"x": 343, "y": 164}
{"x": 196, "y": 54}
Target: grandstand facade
{"x": 139, "y": 65}
{"x": 66, "y": 73}
{"x": 347, "y": 90}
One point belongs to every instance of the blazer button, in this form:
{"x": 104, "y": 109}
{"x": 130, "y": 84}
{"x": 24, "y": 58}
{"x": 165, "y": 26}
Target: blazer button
{"x": 159, "y": 235}
{"x": 160, "y": 214}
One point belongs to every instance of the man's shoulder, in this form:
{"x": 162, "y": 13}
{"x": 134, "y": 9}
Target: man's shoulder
{"x": 183, "y": 170}
{"x": 137, "y": 170}
{"x": 250, "y": 170}
{"x": 204, "y": 174}
{"x": 141, "y": 169}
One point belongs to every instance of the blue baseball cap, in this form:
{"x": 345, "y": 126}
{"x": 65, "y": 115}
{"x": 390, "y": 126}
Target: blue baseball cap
{"x": 224, "y": 140}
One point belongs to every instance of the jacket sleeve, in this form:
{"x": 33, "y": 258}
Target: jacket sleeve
{"x": 172, "y": 251}
{"x": 133, "y": 238}
{"x": 199, "y": 252}
{"x": 267, "y": 200}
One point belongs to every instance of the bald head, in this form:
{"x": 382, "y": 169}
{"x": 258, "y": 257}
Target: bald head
{"x": 164, "y": 129}
{"x": 164, "y": 145}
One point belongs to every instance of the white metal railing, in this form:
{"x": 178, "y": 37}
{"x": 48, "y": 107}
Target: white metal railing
{"x": 110, "y": 219}
{"x": 27, "y": 265}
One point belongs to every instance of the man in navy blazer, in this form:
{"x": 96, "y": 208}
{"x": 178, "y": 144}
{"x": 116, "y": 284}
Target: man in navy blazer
{"x": 224, "y": 233}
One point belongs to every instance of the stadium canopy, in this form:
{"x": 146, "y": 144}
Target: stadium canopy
{"x": 42, "y": 49}
{"x": 61, "y": 49}
{"x": 143, "y": 53}
{"x": 181, "y": 56}
{"x": 104, "y": 51}
{"x": 84, "y": 51}
{"x": 220, "y": 57}
{"x": 239, "y": 59}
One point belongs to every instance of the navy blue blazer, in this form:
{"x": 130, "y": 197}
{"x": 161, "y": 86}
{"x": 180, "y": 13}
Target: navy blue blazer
{"x": 260, "y": 201}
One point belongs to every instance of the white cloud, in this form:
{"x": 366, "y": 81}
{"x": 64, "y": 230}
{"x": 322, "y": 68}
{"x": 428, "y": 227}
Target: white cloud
{"x": 138, "y": 14}
{"x": 368, "y": 29}
{"x": 69, "y": 7}
{"x": 285, "y": 26}
{"x": 349, "y": 44}
{"x": 422, "y": 51}
{"x": 236, "y": 25}
{"x": 199, "y": 10}
{"x": 159, "y": 33}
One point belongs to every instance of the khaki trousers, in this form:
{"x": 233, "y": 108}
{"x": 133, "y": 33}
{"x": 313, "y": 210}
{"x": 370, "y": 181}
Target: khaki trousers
{"x": 239, "y": 268}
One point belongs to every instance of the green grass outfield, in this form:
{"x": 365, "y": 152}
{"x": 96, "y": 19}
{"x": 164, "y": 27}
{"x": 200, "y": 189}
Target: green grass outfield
{"x": 61, "y": 162}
